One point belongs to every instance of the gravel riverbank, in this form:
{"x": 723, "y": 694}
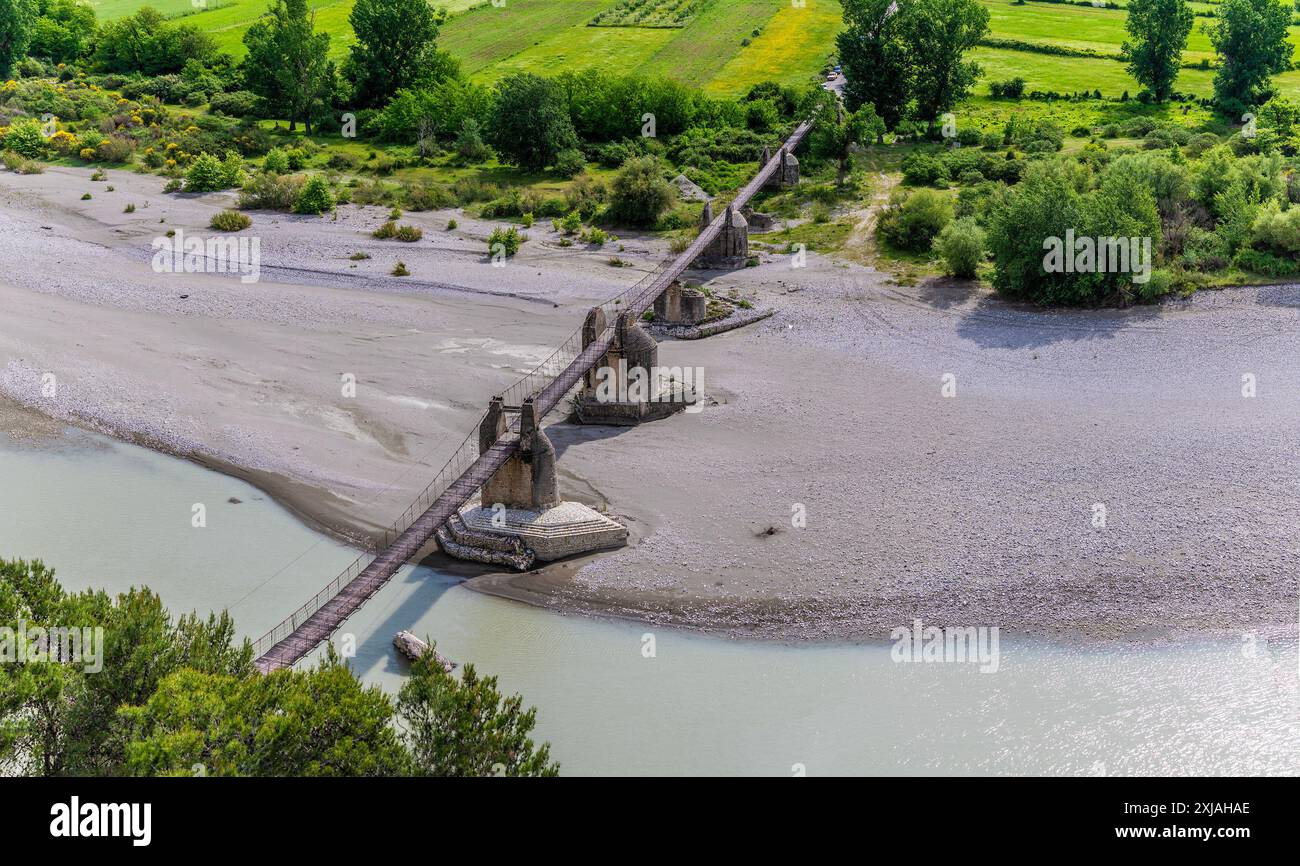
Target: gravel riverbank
{"x": 975, "y": 504}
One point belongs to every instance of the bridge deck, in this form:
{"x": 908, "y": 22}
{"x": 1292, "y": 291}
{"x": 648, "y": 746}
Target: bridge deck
{"x": 315, "y": 621}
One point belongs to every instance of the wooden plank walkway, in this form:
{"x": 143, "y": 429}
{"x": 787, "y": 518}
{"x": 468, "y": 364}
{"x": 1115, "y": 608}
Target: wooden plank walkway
{"x": 314, "y": 622}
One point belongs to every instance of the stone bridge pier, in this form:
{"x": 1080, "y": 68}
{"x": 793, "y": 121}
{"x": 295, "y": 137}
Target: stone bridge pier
{"x": 627, "y": 386}
{"x": 787, "y": 173}
{"x": 730, "y": 249}
{"x": 520, "y": 518}
{"x": 680, "y": 305}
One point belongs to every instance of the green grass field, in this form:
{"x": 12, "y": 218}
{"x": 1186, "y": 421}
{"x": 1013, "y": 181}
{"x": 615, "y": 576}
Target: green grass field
{"x": 1098, "y": 29}
{"x": 719, "y": 50}
{"x": 711, "y": 51}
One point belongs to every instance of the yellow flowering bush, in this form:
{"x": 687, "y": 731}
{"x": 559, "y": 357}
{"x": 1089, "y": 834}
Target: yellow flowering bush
{"x": 63, "y": 141}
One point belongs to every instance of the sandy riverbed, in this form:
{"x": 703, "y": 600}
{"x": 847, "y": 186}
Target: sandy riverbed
{"x": 973, "y": 509}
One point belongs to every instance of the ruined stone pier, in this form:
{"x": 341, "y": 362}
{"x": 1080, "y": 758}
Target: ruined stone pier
{"x": 520, "y": 518}
{"x": 626, "y": 386}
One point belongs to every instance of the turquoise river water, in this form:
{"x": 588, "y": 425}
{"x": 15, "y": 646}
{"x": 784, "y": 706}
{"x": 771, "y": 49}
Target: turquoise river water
{"x": 112, "y": 515}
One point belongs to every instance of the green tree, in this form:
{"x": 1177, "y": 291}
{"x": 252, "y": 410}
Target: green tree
{"x": 59, "y": 718}
{"x": 62, "y": 31}
{"x": 938, "y": 33}
{"x": 1250, "y": 37}
{"x": 395, "y": 48}
{"x": 1159, "y": 30}
{"x": 464, "y": 727}
{"x": 317, "y": 722}
{"x": 530, "y": 123}
{"x": 17, "y": 18}
{"x": 288, "y": 62}
{"x": 145, "y": 43}
{"x": 837, "y": 131}
{"x": 877, "y": 68}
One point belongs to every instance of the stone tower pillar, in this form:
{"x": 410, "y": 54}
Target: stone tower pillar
{"x": 592, "y": 327}
{"x": 730, "y": 248}
{"x": 527, "y": 480}
{"x": 491, "y": 428}
{"x": 787, "y": 172}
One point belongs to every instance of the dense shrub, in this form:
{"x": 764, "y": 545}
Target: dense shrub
{"x": 961, "y": 245}
{"x": 315, "y": 197}
{"x": 506, "y": 240}
{"x": 1011, "y": 88}
{"x": 271, "y": 191}
{"x": 703, "y": 147}
{"x": 569, "y": 225}
{"x": 976, "y": 201}
{"x": 570, "y": 162}
{"x": 239, "y": 103}
{"x": 276, "y": 161}
{"x": 1266, "y": 263}
{"x": 1052, "y": 203}
{"x": 427, "y": 196}
{"x": 25, "y": 139}
{"x": 20, "y": 164}
{"x": 1046, "y": 135}
{"x": 205, "y": 174}
{"x": 911, "y": 221}
{"x": 924, "y": 169}
{"x": 1276, "y": 230}
{"x": 1204, "y": 251}
{"x": 468, "y": 190}
{"x": 1201, "y": 142}
{"x": 639, "y": 193}
{"x": 373, "y": 192}
{"x": 116, "y": 149}
{"x": 230, "y": 221}
{"x": 1168, "y": 181}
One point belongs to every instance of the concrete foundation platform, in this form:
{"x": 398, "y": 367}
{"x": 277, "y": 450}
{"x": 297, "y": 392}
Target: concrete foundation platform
{"x": 526, "y": 535}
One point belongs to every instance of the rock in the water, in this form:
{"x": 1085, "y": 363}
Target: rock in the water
{"x": 413, "y": 648}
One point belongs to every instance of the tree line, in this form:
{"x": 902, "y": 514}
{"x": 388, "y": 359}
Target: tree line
{"x": 906, "y": 57}
{"x": 181, "y": 697}
{"x": 287, "y": 65}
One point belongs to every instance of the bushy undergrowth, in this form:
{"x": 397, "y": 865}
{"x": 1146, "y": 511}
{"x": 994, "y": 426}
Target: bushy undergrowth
{"x": 961, "y": 246}
{"x": 230, "y": 221}
{"x": 271, "y": 191}
{"x": 912, "y": 220}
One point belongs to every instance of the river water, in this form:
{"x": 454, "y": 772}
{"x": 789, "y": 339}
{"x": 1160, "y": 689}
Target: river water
{"x": 110, "y": 515}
